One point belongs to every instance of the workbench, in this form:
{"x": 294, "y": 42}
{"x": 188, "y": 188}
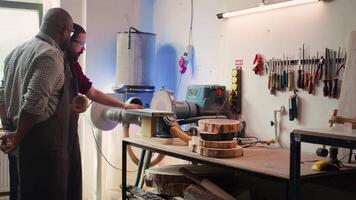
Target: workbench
{"x": 262, "y": 162}
{"x": 338, "y": 136}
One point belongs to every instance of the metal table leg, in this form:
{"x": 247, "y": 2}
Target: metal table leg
{"x": 146, "y": 165}
{"x": 294, "y": 173}
{"x": 139, "y": 167}
{"x": 124, "y": 169}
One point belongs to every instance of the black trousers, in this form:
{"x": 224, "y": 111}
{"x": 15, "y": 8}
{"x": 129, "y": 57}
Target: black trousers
{"x": 14, "y": 177}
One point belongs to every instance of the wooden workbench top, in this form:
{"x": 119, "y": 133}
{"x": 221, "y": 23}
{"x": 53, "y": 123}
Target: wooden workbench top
{"x": 268, "y": 161}
{"x": 337, "y": 132}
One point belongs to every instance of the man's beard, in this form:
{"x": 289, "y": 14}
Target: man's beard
{"x": 65, "y": 45}
{"x": 72, "y": 56}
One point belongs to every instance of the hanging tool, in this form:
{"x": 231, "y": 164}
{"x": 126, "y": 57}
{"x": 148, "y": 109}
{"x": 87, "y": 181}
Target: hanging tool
{"x": 267, "y": 66}
{"x": 332, "y": 62}
{"x": 311, "y": 76}
{"x": 291, "y": 80}
{"x": 300, "y": 80}
{"x": 342, "y": 66}
{"x": 307, "y": 74}
{"x": 273, "y": 79}
{"x": 281, "y": 81}
{"x": 285, "y": 74}
{"x": 325, "y": 88}
{"x": 336, "y": 85}
{"x": 258, "y": 64}
{"x": 278, "y": 76}
{"x": 293, "y": 106}
{"x": 270, "y": 75}
{"x": 319, "y": 71}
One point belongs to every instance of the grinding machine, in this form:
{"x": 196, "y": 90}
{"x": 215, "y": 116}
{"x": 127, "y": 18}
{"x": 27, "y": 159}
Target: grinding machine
{"x": 202, "y": 101}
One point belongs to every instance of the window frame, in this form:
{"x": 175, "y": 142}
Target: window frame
{"x": 26, "y": 6}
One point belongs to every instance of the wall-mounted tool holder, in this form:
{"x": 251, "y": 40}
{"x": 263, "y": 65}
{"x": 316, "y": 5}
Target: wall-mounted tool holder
{"x": 235, "y": 91}
{"x": 309, "y": 72}
{"x": 293, "y": 63}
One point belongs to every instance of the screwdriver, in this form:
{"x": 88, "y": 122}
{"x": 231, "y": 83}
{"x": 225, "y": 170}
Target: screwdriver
{"x": 285, "y": 73}
{"x": 335, "y": 88}
{"x": 300, "y": 71}
{"x": 332, "y": 62}
{"x": 307, "y": 74}
{"x": 311, "y": 77}
{"x": 277, "y": 76}
{"x": 325, "y": 88}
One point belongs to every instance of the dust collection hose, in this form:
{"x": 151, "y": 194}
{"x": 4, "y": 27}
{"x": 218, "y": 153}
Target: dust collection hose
{"x": 132, "y": 155}
{"x": 175, "y": 131}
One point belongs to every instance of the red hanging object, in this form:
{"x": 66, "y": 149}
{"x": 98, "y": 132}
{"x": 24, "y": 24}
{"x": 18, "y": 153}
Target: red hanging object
{"x": 183, "y": 63}
{"x": 258, "y": 64}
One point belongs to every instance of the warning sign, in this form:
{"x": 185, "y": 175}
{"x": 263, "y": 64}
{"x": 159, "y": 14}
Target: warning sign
{"x": 239, "y": 63}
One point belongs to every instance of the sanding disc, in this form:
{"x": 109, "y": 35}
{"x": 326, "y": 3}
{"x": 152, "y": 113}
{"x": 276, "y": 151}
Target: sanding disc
{"x": 163, "y": 100}
{"x": 97, "y": 116}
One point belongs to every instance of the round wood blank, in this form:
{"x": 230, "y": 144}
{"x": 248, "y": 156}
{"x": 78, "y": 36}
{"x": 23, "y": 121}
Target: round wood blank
{"x": 221, "y": 153}
{"x": 219, "y": 125}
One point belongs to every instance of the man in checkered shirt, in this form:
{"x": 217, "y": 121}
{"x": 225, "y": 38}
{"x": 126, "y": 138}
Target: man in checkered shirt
{"x": 37, "y": 104}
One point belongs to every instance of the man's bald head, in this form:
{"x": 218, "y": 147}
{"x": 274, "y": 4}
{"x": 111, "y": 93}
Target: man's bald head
{"x": 58, "y": 24}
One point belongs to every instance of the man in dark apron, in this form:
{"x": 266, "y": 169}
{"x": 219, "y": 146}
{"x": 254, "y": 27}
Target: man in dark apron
{"x": 37, "y": 99}
{"x": 44, "y": 156}
{"x": 81, "y": 84}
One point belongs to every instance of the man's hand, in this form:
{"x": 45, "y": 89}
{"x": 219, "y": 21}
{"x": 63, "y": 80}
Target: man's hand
{"x": 79, "y": 104}
{"x": 132, "y": 106}
{"x": 9, "y": 142}
{"x": 2, "y": 133}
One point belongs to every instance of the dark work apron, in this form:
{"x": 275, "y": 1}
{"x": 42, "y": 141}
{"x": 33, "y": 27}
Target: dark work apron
{"x": 75, "y": 169}
{"x": 50, "y": 165}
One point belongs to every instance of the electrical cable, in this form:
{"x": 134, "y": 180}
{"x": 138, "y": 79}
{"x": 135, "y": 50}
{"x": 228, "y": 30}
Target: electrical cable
{"x": 343, "y": 157}
{"x": 250, "y": 144}
{"x": 180, "y": 78}
{"x": 222, "y": 106}
{"x": 190, "y": 37}
{"x": 98, "y": 148}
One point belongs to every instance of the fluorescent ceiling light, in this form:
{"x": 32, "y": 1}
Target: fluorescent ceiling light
{"x": 263, "y": 8}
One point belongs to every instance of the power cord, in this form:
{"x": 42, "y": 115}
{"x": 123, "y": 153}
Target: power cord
{"x": 247, "y": 145}
{"x": 180, "y": 79}
{"x": 190, "y": 37}
{"x": 98, "y": 148}
{"x": 222, "y": 106}
{"x": 343, "y": 157}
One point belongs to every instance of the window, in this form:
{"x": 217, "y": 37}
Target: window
{"x": 19, "y": 22}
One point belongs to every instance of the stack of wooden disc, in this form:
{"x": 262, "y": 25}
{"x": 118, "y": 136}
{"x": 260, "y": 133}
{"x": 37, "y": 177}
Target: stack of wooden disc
{"x": 217, "y": 138}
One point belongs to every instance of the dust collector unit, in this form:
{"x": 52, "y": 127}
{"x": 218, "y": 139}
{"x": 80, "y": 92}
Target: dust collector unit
{"x": 135, "y": 58}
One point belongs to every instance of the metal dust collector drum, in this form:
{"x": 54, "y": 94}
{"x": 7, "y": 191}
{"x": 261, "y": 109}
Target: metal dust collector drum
{"x": 135, "y": 58}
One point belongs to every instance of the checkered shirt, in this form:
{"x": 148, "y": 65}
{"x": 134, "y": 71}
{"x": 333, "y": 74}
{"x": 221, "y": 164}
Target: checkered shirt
{"x": 33, "y": 78}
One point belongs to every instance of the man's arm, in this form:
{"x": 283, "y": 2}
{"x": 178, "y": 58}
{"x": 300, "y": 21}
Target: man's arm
{"x": 25, "y": 123}
{"x": 98, "y": 96}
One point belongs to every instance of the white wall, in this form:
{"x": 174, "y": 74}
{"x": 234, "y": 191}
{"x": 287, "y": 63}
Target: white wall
{"x": 219, "y": 42}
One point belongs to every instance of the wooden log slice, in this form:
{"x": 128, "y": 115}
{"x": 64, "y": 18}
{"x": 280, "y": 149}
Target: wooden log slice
{"x": 218, "y": 144}
{"x": 219, "y": 125}
{"x": 195, "y": 192}
{"x": 169, "y": 181}
{"x": 217, "y": 136}
{"x": 221, "y": 153}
